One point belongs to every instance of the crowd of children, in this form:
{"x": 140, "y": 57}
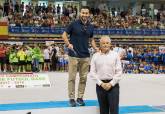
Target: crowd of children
{"x": 32, "y": 58}
{"x": 41, "y": 58}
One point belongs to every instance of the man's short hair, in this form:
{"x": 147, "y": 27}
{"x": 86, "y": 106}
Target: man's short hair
{"x": 106, "y": 37}
{"x": 86, "y": 7}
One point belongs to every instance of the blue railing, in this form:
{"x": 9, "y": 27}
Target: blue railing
{"x": 48, "y": 30}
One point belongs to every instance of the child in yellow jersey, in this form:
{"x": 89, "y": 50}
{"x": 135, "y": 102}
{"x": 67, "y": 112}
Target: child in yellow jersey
{"x": 21, "y": 57}
{"x": 13, "y": 60}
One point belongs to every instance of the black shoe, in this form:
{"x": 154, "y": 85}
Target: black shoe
{"x": 80, "y": 102}
{"x": 72, "y": 103}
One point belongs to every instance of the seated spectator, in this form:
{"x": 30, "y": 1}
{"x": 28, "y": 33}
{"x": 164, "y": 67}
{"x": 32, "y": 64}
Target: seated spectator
{"x": 135, "y": 69}
{"x": 147, "y": 68}
{"x": 141, "y": 68}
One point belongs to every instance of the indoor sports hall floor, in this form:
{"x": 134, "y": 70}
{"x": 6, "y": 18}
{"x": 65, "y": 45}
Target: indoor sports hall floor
{"x": 139, "y": 94}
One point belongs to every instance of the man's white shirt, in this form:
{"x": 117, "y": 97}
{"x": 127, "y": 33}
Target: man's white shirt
{"x": 106, "y": 67}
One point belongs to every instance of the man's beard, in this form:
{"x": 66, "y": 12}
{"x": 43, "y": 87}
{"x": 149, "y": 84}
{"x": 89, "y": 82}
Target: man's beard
{"x": 84, "y": 19}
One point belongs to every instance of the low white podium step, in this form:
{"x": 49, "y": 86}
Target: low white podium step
{"x": 66, "y": 110}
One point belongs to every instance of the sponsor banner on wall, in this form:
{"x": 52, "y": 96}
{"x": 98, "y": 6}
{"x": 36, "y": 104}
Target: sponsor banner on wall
{"x": 99, "y": 31}
{"x": 24, "y": 80}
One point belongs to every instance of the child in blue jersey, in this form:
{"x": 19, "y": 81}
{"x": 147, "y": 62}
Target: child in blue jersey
{"x": 61, "y": 62}
{"x": 129, "y": 68}
{"x": 147, "y": 57}
{"x": 156, "y": 57}
{"x": 65, "y": 62}
{"x": 163, "y": 60}
{"x": 147, "y": 68}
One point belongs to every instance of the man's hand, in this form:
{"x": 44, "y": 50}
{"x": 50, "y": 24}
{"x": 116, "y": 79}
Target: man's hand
{"x": 103, "y": 85}
{"x": 106, "y": 86}
{"x": 70, "y": 46}
{"x": 109, "y": 86}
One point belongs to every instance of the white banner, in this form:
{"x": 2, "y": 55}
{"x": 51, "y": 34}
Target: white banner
{"x": 24, "y": 80}
{"x": 48, "y": 43}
